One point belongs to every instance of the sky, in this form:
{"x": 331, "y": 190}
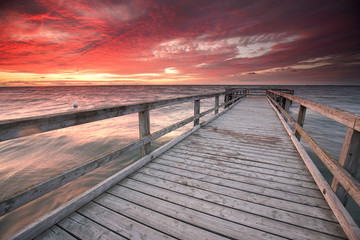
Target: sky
{"x": 86, "y": 42}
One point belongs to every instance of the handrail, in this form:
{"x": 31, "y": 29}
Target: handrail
{"x": 55, "y": 121}
{"x": 14, "y": 128}
{"x": 346, "y": 118}
{"x": 344, "y": 170}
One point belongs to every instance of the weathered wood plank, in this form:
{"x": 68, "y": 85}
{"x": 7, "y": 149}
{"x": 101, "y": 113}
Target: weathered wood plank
{"x": 189, "y": 215}
{"x": 156, "y": 220}
{"x": 226, "y": 143}
{"x": 119, "y": 224}
{"x": 84, "y": 228}
{"x": 229, "y": 141}
{"x": 149, "y": 183}
{"x": 316, "y": 212}
{"x": 55, "y": 233}
{"x": 246, "y": 161}
{"x": 248, "y": 155}
{"x": 312, "y": 201}
{"x": 251, "y": 181}
{"x": 244, "y": 150}
{"x": 221, "y": 212}
{"x": 219, "y": 166}
{"x": 242, "y": 165}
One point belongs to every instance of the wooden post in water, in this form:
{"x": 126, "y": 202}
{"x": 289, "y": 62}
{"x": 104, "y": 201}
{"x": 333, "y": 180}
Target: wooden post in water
{"x": 196, "y": 111}
{"x": 144, "y": 130}
{"x": 216, "y": 104}
{"x": 300, "y": 119}
{"x": 350, "y": 160}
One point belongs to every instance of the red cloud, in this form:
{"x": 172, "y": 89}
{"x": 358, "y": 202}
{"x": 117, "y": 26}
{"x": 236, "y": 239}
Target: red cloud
{"x": 216, "y": 40}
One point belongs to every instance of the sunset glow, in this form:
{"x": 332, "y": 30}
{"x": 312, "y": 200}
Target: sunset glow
{"x": 57, "y": 42}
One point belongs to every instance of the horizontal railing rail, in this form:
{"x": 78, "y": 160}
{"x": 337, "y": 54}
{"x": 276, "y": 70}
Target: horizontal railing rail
{"x": 344, "y": 170}
{"x": 11, "y": 129}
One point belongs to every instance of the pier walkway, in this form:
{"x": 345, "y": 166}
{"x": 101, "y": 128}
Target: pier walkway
{"x": 238, "y": 177}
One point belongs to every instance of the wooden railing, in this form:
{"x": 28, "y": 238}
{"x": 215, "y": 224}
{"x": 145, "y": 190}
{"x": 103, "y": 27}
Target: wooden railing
{"x": 10, "y": 129}
{"x": 344, "y": 170}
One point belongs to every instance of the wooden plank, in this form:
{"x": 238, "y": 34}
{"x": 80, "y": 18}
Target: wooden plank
{"x": 244, "y": 179}
{"x": 350, "y": 160}
{"x": 248, "y": 150}
{"x": 119, "y": 224}
{"x": 316, "y": 212}
{"x": 300, "y": 119}
{"x": 189, "y": 215}
{"x": 226, "y": 142}
{"x": 218, "y": 211}
{"x": 344, "y": 117}
{"x": 242, "y": 165}
{"x": 144, "y": 130}
{"x": 155, "y": 220}
{"x": 84, "y": 228}
{"x": 140, "y": 181}
{"x": 350, "y": 228}
{"x": 312, "y": 201}
{"x": 219, "y": 166}
{"x": 249, "y": 155}
{"x": 55, "y": 233}
{"x": 245, "y": 161}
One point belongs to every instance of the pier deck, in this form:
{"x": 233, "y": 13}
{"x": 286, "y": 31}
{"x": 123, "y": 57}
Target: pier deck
{"x": 239, "y": 177}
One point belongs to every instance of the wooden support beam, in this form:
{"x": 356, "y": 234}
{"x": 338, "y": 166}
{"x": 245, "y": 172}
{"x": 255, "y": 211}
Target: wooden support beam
{"x": 216, "y": 105}
{"x": 350, "y": 160}
{"x": 300, "y": 119}
{"x": 196, "y": 111}
{"x": 144, "y": 130}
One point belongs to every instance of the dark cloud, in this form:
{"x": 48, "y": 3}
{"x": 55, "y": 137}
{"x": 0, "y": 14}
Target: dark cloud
{"x": 31, "y": 7}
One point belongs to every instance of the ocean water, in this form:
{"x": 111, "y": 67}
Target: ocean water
{"x": 33, "y": 159}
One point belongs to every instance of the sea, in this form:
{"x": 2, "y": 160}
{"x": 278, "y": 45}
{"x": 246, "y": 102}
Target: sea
{"x": 33, "y": 159}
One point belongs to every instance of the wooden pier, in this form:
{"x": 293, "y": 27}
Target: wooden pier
{"x": 239, "y": 175}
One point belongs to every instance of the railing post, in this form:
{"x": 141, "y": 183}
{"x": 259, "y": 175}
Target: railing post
{"x": 350, "y": 160}
{"x": 216, "y": 104}
{"x": 228, "y": 97}
{"x": 144, "y": 130}
{"x": 300, "y": 119}
{"x": 196, "y": 111}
